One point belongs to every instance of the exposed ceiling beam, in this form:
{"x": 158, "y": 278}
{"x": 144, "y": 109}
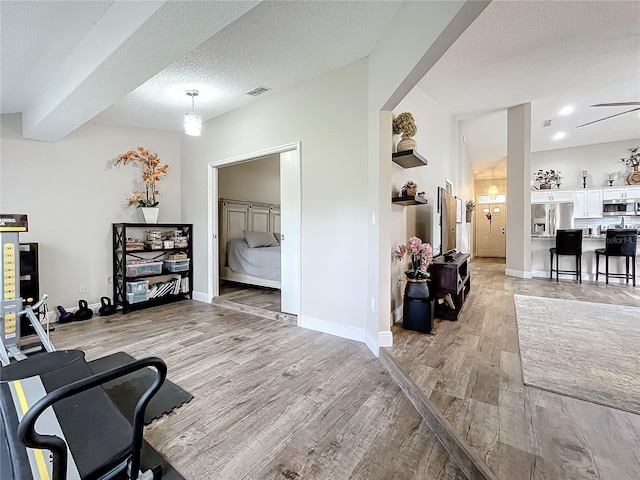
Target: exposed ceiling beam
{"x": 130, "y": 44}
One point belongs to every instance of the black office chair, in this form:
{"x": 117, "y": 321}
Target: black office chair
{"x": 619, "y": 243}
{"x": 568, "y": 242}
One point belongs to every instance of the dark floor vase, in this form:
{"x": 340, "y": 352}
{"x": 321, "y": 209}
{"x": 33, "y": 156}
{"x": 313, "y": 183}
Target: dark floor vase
{"x": 417, "y": 311}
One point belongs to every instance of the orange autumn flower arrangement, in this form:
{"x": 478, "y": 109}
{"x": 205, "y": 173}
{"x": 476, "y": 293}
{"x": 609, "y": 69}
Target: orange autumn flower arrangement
{"x": 152, "y": 173}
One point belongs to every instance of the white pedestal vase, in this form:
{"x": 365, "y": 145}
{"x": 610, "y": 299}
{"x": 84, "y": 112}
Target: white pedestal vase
{"x": 150, "y": 214}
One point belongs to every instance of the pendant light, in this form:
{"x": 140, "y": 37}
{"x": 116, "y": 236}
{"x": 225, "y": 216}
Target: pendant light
{"x": 493, "y": 189}
{"x": 192, "y": 121}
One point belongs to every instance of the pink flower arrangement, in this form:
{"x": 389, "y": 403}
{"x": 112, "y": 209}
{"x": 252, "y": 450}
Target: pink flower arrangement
{"x": 421, "y": 256}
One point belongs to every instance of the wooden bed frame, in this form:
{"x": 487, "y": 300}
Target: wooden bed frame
{"x": 236, "y": 216}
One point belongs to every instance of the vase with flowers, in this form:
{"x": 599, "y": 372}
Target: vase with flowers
{"x": 633, "y": 162}
{"x": 471, "y": 206}
{"x": 420, "y": 255}
{"x": 405, "y": 125}
{"x": 151, "y": 173}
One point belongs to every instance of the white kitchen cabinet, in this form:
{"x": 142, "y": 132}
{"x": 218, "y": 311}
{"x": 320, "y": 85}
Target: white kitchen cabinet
{"x": 587, "y": 204}
{"x": 546, "y": 196}
{"x": 621, "y": 193}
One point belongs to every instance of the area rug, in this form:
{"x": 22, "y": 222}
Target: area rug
{"x": 589, "y": 351}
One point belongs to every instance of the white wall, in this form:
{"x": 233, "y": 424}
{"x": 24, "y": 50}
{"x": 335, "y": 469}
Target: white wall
{"x": 256, "y": 181}
{"x": 328, "y": 116}
{"x": 438, "y": 141}
{"x": 72, "y": 195}
{"x": 599, "y": 160}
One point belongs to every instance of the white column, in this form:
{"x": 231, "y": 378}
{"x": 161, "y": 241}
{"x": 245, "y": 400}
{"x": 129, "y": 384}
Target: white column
{"x": 519, "y": 191}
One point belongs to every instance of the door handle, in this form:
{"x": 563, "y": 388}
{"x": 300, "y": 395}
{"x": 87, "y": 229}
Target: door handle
{"x": 282, "y": 236}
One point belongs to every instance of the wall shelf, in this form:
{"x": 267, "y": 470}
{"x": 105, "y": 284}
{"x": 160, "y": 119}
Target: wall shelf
{"x": 409, "y": 159}
{"x": 409, "y": 200}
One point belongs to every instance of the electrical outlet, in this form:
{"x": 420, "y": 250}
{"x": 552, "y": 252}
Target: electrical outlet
{"x": 82, "y": 288}
{"x": 110, "y": 279}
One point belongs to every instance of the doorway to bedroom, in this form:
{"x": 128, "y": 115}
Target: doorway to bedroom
{"x": 255, "y": 225}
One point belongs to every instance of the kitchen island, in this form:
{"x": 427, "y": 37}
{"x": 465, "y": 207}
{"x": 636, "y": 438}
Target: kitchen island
{"x": 540, "y": 260}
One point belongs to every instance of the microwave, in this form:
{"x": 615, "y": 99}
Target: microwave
{"x": 620, "y": 207}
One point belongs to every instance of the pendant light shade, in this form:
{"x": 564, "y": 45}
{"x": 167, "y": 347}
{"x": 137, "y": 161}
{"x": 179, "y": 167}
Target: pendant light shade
{"x": 192, "y": 121}
{"x": 493, "y": 189}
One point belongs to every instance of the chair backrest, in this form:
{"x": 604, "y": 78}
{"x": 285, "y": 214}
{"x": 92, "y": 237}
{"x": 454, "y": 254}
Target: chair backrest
{"x": 621, "y": 242}
{"x": 569, "y": 242}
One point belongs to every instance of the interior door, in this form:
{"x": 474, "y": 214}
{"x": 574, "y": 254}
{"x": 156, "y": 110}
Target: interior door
{"x": 290, "y": 232}
{"x": 490, "y": 230}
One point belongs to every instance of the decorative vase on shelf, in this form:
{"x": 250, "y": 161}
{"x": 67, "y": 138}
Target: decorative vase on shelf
{"x": 150, "y": 214}
{"x": 406, "y": 143}
{"x": 634, "y": 177}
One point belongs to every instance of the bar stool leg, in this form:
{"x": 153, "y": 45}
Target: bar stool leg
{"x": 579, "y": 268}
{"x": 597, "y": 265}
{"x": 557, "y": 266}
{"x": 606, "y": 269}
{"x": 626, "y": 270}
{"x": 550, "y": 265}
{"x": 633, "y": 269}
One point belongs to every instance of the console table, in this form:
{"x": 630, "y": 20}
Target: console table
{"x": 453, "y": 278}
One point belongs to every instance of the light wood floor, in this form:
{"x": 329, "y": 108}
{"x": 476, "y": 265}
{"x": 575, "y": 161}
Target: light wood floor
{"x": 259, "y": 297}
{"x": 471, "y": 370}
{"x": 272, "y": 401}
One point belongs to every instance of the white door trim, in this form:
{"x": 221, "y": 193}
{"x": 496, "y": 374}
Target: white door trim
{"x": 213, "y": 275}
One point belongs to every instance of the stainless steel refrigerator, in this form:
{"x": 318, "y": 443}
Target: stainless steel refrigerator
{"x": 547, "y": 218}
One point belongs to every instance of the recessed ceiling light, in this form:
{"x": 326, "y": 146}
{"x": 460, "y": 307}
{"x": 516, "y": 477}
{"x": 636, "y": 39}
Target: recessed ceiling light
{"x": 559, "y": 136}
{"x": 566, "y": 110}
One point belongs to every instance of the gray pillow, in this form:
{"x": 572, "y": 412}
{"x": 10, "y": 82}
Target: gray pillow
{"x": 277, "y": 235}
{"x": 259, "y": 239}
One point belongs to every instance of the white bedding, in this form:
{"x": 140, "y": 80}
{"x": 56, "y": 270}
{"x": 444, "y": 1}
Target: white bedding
{"x": 261, "y": 262}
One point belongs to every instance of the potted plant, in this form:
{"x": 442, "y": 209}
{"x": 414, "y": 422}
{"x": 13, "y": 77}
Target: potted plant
{"x": 409, "y": 189}
{"x": 151, "y": 173}
{"x": 418, "y": 304}
{"x": 405, "y": 125}
{"x": 548, "y": 178}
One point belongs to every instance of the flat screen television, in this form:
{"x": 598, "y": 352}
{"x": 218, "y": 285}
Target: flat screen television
{"x": 447, "y": 221}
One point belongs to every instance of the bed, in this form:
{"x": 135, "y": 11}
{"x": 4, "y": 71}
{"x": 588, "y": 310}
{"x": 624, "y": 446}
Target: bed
{"x": 249, "y": 242}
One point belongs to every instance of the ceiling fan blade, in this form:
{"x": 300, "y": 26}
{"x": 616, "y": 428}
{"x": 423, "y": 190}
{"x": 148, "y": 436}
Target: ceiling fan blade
{"x": 619, "y": 104}
{"x": 610, "y": 116}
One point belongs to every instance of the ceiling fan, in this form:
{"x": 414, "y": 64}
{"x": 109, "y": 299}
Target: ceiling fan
{"x": 618, "y": 104}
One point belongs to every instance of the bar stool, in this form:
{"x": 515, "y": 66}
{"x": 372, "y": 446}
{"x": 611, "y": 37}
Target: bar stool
{"x": 619, "y": 243}
{"x": 568, "y": 242}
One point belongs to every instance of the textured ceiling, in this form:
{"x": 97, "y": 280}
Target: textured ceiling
{"x": 130, "y": 63}
{"x": 551, "y": 54}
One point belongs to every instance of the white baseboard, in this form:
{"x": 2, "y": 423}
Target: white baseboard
{"x": 372, "y": 344}
{"x": 337, "y": 329}
{"x": 397, "y": 314}
{"x": 517, "y": 273}
{"x": 200, "y": 297}
{"x": 385, "y": 339}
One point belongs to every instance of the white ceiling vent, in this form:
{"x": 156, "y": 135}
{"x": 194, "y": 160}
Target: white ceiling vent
{"x": 259, "y": 90}
{"x": 546, "y": 123}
